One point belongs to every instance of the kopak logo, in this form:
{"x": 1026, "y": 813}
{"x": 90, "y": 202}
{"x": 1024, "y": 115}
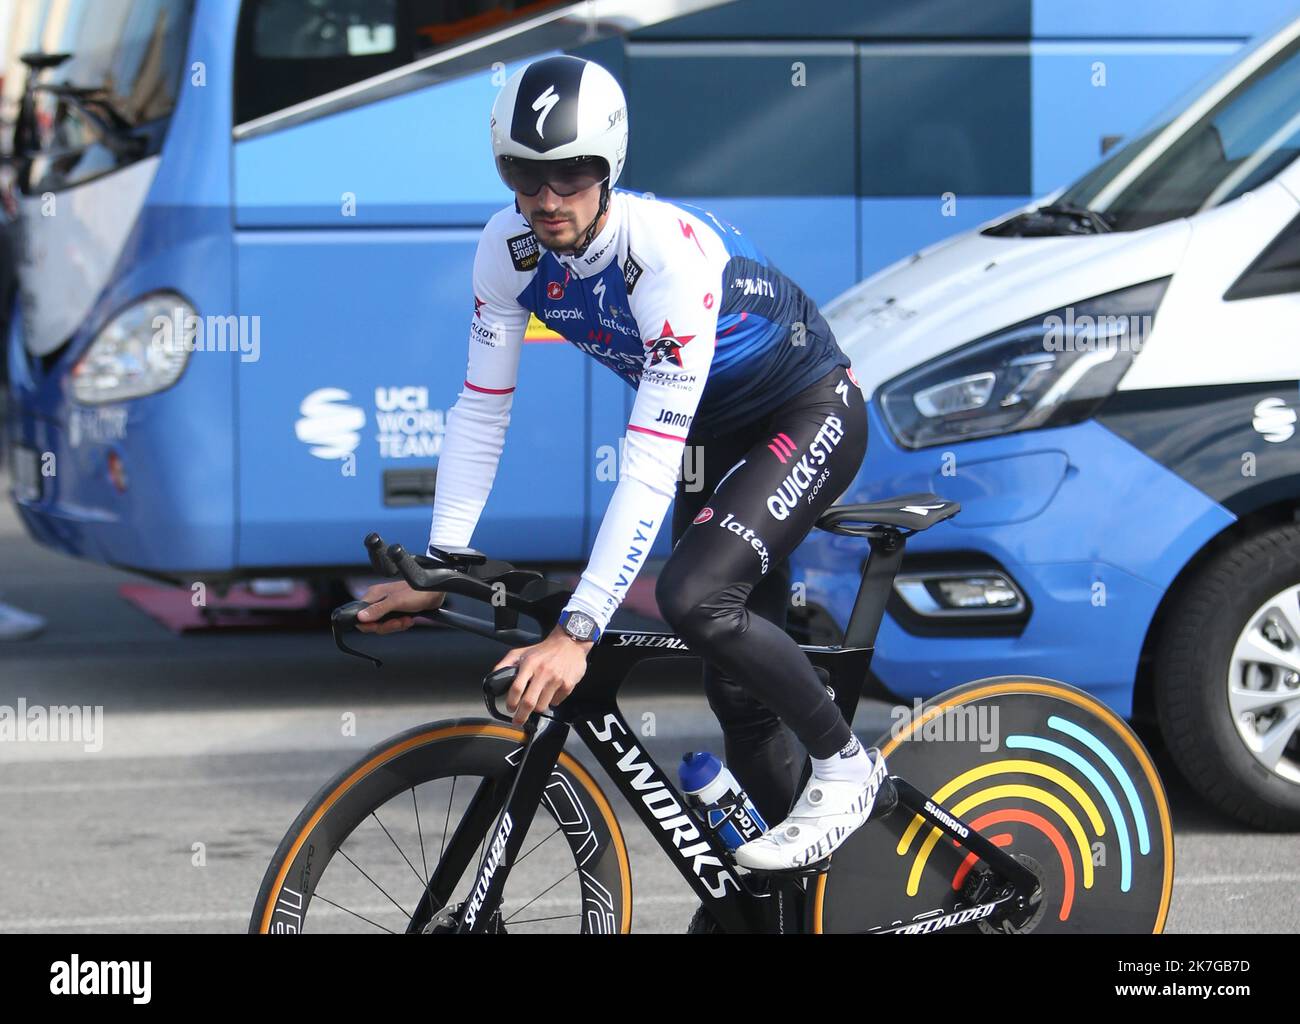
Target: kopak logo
{"x": 667, "y": 346}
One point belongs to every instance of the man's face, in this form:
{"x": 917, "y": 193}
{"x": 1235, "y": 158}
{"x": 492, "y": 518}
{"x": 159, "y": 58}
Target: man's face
{"x": 558, "y": 220}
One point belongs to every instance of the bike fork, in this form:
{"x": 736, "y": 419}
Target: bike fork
{"x": 541, "y": 752}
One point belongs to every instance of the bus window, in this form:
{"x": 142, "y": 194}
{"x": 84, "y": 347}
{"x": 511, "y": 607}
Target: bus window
{"x": 295, "y": 50}
{"x": 107, "y": 105}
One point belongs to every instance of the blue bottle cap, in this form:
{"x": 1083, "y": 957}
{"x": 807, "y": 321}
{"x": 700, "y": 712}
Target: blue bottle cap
{"x": 697, "y": 770}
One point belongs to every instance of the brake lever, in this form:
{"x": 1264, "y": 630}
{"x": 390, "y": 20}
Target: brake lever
{"x": 495, "y": 685}
{"x": 343, "y": 618}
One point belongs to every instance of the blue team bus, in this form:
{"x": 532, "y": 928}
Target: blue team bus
{"x": 246, "y": 230}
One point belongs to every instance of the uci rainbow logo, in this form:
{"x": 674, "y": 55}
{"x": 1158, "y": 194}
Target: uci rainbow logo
{"x": 1102, "y": 801}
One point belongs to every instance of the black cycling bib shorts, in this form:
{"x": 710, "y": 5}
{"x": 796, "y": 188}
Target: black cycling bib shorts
{"x": 745, "y": 500}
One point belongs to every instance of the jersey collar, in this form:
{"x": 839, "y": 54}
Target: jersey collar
{"x": 602, "y": 250}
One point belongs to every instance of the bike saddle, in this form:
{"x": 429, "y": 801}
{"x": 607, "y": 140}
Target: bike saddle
{"x": 914, "y": 512}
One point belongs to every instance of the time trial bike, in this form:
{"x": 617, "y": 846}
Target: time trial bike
{"x": 1013, "y": 804}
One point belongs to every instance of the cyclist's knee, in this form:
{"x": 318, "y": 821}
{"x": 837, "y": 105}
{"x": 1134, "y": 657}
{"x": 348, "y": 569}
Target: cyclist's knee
{"x": 703, "y": 621}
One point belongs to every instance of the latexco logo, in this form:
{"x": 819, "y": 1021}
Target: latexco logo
{"x": 1275, "y": 420}
{"x": 72, "y": 977}
{"x": 329, "y": 425}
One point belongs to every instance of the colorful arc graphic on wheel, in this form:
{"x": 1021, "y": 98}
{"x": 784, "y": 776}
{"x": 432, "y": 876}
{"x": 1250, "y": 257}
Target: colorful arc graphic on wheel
{"x": 1081, "y": 816}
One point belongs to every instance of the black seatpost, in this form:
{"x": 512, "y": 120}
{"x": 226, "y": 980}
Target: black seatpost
{"x": 878, "y": 575}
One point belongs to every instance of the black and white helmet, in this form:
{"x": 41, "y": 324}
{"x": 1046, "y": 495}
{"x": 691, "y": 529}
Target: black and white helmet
{"x": 558, "y": 108}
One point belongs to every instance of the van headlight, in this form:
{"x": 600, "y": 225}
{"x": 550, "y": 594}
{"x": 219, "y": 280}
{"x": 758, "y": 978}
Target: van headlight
{"x": 1054, "y": 369}
{"x": 141, "y": 351}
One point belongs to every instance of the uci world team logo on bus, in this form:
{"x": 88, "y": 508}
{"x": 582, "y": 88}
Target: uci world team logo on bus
{"x": 330, "y": 425}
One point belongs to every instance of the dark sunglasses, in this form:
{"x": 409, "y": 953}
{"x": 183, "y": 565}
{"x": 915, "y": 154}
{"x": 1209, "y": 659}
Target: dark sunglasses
{"x": 565, "y": 177}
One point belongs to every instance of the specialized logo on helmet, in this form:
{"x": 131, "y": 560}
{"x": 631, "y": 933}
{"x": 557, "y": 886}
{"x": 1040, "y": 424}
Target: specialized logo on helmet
{"x": 545, "y": 102}
{"x": 667, "y": 346}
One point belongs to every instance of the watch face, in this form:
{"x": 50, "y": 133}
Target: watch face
{"x": 579, "y": 626}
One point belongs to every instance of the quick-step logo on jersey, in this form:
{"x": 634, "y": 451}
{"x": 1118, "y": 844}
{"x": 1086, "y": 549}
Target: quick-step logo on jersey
{"x": 804, "y": 476}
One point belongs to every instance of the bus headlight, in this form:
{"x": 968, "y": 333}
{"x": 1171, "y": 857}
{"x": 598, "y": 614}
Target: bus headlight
{"x": 141, "y": 351}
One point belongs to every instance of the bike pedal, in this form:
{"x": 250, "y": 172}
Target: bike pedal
{"x": 807, "y": 871}
{"x": 886, "y": 800}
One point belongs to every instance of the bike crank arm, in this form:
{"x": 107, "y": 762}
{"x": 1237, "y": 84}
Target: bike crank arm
{"x": 1025, "y": 882}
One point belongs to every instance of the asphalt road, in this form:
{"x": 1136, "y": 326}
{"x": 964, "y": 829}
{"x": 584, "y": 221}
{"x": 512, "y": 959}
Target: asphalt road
{"x": 212, "y": 743}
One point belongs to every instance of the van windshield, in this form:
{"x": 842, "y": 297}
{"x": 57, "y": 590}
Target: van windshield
{"x": 1242, "y": 142}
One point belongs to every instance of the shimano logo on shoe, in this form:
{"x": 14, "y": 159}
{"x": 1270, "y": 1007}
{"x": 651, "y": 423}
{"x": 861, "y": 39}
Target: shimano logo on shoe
{"x": 952, "y": 825}
{"x": 496, "y": 856}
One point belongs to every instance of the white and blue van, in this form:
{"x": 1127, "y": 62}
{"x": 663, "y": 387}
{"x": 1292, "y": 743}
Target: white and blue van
{"x": 1108, "y": 380}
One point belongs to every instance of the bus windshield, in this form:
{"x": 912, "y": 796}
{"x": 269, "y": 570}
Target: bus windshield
{"x": 122, "y": 72}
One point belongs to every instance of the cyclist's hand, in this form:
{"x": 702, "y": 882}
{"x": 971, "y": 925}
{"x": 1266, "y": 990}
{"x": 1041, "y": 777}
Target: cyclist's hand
{"x": 548, "y": 672}
{"x": 398, "y": 596}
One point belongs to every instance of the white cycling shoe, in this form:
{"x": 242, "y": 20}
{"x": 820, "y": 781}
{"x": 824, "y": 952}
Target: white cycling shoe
{"x": 823, "y": 817}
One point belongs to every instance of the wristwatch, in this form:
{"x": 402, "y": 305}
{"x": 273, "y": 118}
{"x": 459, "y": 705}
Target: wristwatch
{"x": 580, "y": 626}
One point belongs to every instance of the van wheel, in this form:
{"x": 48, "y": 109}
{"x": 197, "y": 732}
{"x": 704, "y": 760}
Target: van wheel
{"x": 1227, "y": 681}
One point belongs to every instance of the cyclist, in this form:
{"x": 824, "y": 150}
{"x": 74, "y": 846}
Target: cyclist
{"x": 733, "y": 363}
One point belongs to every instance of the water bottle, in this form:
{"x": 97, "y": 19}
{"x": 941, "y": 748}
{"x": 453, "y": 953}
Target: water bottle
{"x": 709, "y": 786}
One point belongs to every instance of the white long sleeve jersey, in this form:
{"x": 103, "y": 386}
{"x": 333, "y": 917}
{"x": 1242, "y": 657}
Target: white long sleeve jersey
{"x": 675, "y": 301}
